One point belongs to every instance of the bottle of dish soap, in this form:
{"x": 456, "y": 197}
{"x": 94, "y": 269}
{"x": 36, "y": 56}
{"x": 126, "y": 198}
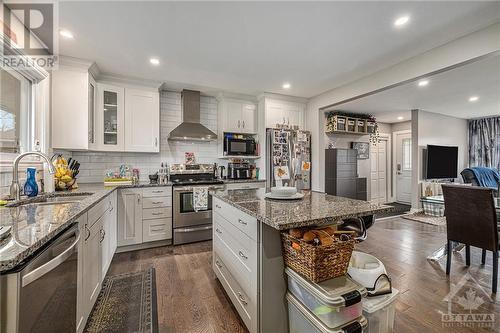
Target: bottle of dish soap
{"x": 31, "y": 187}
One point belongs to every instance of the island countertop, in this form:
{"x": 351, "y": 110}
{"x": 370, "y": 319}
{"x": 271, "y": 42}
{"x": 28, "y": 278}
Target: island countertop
{"x": 315, "y": 209}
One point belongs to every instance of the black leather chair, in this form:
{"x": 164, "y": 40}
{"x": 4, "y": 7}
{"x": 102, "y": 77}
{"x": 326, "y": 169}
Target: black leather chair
{"x": 471, "y": 219}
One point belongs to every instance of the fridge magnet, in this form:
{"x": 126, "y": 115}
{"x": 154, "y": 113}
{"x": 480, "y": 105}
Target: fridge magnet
{"x": 281, "y": 172}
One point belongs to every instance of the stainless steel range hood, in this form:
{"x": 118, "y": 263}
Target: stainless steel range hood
{"x": 190, "y": 129}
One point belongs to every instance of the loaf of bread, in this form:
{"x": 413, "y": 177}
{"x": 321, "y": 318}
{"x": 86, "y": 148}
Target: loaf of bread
{"x": 296, "y": 232}
{"x": 309, "y": 236}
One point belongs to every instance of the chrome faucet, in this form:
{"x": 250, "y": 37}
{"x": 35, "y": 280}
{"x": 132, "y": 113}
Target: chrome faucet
{"x": 15, "y": 191}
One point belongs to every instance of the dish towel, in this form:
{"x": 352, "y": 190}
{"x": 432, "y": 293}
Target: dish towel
{"x": 486, "y": 177}
{"x": 200, "y": 198}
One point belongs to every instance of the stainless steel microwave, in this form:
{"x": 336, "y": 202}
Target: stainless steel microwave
{"x": 238, "y": 146}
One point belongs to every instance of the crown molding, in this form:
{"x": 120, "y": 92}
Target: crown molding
{"x": 282, "y": 97}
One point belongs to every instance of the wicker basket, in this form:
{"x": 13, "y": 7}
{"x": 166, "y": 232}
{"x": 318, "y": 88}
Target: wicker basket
{"x": 317, "y": 263}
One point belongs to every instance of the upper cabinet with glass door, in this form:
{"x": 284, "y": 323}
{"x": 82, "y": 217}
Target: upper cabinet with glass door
{"x": 110, "y": 117}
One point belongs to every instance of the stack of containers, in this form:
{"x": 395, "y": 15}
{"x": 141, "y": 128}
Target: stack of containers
{"x": 334, "y": 305}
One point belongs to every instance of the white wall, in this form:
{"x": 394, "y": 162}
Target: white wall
{"x": 436, "y": 129}
{"x": 451, "y": 54}
{"x": 95, "y": 164}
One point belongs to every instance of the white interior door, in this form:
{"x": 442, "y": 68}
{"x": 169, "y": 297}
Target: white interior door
{"x": 403, "y": 167}
{"x": 378, "y": 171}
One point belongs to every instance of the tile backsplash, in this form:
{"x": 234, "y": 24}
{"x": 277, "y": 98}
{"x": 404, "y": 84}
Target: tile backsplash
{"x": 94, "y": 164}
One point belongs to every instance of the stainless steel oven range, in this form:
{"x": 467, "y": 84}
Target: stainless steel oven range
{"x": 191, "y": 225}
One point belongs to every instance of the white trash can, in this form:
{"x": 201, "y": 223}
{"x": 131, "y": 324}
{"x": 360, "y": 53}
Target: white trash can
{"x": 379, "y": 311}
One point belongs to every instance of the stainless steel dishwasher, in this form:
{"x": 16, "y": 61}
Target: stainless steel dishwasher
{"x": 40, "y": 296}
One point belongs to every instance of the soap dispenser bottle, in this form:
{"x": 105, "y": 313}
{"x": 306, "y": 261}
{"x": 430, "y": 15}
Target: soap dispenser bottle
{"x": 31, "y": 187}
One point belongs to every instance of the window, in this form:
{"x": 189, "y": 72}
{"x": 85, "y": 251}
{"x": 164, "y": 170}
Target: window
{"x": 407, "y": 154}
{"x": 16, "y": 112}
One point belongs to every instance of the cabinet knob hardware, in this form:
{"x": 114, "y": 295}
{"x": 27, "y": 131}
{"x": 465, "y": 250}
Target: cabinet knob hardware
{"x": 158, "y": 191}
{"x": 138, "y": 198}
{"x": 238, "y": 124}
{"x": 242, "y": 298}
{"x": 156, "y": 202}
{"x": 217, "y": 206}
{"x": 241, "y": 254}
{"x": 242, "y": 222}
{"x": 88, "y": 232}
{"x": 156, "y": 142}
{"x": 103, "y": 234}
{"x": 218, "y": 264}
{"x": 218, "y": 231}
{"x": 243, "y": 124}
{"x": 156, "y": 214}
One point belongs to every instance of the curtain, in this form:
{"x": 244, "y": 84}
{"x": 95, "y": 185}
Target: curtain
{"x": 484, "y": 142}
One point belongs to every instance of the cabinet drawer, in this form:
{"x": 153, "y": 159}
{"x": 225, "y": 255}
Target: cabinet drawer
{"x": 246, "y": 307}
{"x": 240, "y": 260}
{"x": 240, "y": 220}
{"x": 157, "y": 202}
{"x": 98, "y": 210}
{"x": 156, "y": 213}
{"x": 157, "y": 192}
{"x": 244, "y": 186}
{"x": 156, "y": 229}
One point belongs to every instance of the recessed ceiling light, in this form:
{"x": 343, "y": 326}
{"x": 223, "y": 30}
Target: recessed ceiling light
{"x": 154, "y": 61}
{"x": 400, "y": 21}
{"x": 286, "y": 85}
{"x": 423, "y": 83}
{"x": 400, "y": 118}
{"x": 473, "y": 98}
{"x": 66, "y": 34}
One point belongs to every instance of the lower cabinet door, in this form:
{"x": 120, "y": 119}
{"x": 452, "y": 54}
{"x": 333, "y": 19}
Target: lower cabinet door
{"x": 129, "y": 217}
{"x": 92, "y": 264}
{"x": 156, "y": 229}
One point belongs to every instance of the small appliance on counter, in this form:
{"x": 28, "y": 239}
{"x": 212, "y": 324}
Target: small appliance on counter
{"x": 240, "y": 170}
{"x": 240, "y": 145}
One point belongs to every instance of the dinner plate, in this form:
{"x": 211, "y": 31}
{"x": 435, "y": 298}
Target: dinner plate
{"x": 296, "y": 196}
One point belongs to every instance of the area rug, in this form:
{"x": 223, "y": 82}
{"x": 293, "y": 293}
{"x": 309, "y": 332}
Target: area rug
{"x": 421, "y": 217}
{"x": 398, "y": 209}
{"x": 127, "y": 303}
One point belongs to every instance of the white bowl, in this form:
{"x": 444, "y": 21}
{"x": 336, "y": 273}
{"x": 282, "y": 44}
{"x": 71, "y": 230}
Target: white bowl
{"x": 283, "y": 191}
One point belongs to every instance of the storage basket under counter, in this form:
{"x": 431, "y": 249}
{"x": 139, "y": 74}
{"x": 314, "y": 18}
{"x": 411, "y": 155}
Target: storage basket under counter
{"x": 318, "y": 262}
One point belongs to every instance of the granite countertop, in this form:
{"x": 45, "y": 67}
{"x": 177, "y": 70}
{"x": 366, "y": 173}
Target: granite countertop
{"x": 314, "y": 209}
{"x": 231, "y": 181}
{"x": 34, "y": 225}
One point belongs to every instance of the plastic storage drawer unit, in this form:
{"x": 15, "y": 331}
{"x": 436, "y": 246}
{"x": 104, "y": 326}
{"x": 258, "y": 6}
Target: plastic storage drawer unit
{"x": 335, "y": 302}
{"x": 379, "y": 311}
{"x": 302, "y": 321}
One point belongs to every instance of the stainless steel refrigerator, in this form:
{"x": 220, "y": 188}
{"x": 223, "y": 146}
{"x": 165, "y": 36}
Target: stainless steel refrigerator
{"x": 288, "y": 158}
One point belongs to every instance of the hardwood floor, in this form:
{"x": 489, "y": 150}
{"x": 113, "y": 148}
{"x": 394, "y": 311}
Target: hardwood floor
{"x": 190, "y": 299}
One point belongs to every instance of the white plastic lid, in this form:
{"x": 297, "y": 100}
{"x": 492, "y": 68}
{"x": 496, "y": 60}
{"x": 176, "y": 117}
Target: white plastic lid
{"x": 373, "y": 304}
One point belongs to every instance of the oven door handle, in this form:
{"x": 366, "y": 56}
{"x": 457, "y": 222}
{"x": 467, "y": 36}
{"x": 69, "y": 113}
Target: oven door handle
{"x": 52, "y": 264}
{"x": 192, "y": 229}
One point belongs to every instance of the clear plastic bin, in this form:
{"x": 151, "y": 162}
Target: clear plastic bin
{"x": 379, "y": 311}
{"x": 303, "y": 321}
{"x": 334, "y": 302}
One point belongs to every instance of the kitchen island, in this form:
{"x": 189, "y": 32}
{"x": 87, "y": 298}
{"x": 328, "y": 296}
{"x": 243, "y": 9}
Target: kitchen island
{"x": 247, "y": 256}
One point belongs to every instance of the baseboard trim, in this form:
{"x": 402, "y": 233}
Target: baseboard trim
{"x": 143, "y": 246}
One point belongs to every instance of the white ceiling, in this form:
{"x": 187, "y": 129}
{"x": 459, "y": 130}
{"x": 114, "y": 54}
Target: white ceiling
{"x": 247, "y": 47}
{"x": 447, "y": 93}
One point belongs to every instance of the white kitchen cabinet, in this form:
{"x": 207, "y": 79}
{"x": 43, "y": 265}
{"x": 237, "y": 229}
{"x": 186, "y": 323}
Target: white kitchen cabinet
{"x": 284, "y": 112}
{"x": 238, "y": 116}
{"x": 109, "y": 234}
{"x": 92, "y": 264}
{"x": 73, "y": 109}
{"x": 142, "y": 118}
{"x": 110, "y": 117}
{"x": 129, "y": 217}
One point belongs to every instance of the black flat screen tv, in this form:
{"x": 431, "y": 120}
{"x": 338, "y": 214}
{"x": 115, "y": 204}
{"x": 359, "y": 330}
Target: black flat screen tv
{"x": 442, "y": 162}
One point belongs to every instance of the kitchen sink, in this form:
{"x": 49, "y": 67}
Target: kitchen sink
{"x": 54, "y": 199}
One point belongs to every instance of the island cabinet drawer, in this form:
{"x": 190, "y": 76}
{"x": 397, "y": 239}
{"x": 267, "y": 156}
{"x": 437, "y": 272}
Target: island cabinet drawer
{"x": 246, "y": 307}
{"x": 156, "y": 229}
{"x": 239, "y": 219}
{"x": 98, "y": 210}
{"x": 239, "y": 253}
{"x": 156, "y": 213}
{"x": 157, "y": 202}
{"x": 157, "y": 192}
{"x": 245, "y": 185}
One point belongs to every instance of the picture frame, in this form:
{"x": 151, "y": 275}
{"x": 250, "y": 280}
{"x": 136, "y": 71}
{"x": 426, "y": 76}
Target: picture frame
{"x": 363, "y": 150}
